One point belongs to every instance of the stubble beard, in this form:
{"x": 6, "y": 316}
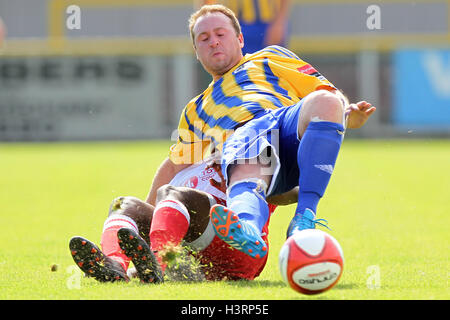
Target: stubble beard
{"x": 220, "y": 67}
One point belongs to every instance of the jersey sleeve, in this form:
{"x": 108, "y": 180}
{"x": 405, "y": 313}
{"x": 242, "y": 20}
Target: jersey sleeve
{"x": 300, "y": 75}
{"x": 189, "y": 147}
{"x": 304, "y": 78}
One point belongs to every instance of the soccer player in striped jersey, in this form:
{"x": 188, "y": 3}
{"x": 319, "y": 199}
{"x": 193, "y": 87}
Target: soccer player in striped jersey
{"x": 257, "y": 91}
{"x": 271, "y": 91}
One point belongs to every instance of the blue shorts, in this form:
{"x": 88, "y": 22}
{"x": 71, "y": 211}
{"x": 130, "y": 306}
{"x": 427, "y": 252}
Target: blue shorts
{"x": 274, "y": 138}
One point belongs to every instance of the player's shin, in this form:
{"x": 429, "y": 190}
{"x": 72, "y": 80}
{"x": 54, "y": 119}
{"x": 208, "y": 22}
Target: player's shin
{"x": 240, "y": 223}
{"x": 170, "y": 224}
{"x": 109, "y": 240}
{"x": 247, "y": 199}
{"x": 317, "y": 155}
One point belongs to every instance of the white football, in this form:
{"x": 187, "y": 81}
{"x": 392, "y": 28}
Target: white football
{"x": 311, "y": 261}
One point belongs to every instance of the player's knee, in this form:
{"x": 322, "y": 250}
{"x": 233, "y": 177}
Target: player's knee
{"x": 115, "y": 206}
{"x": 320, "y": 105}
{"x": 166, "y": 191}
{"x": 326, "y": 105}
{"x": 129, "y": 206}
{"x": 139, "y": 211}
{"x": 239, "y": 172}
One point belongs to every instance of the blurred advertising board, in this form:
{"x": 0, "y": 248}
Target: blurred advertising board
{"x": 81, "y": 98}
{"x": 421, "y": 95}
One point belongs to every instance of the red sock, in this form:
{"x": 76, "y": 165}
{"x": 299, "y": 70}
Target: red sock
{"x": 170, "y": 223}
{"x": 109, "y": 241}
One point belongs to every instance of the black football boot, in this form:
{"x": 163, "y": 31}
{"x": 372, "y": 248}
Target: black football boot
{"x": 144, "y": 260}
{"x": 94, "y": 263}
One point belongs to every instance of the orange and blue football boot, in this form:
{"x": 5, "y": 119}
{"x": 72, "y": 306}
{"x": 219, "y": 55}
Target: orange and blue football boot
{"x": 239, "y": 234}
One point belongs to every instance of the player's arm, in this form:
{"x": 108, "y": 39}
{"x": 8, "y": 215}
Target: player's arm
{"x": 166, "y": 171}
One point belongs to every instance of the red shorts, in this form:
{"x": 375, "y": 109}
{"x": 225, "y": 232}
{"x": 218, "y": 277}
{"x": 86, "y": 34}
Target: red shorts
{"x": 220, "y": 261}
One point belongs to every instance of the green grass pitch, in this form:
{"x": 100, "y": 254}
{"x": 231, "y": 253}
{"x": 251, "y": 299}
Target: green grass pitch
{"x": 388, "y": 205}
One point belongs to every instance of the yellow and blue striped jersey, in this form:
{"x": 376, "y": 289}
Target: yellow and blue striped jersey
{"x": 268, "y": 79}
{"x": 251, "y": 11}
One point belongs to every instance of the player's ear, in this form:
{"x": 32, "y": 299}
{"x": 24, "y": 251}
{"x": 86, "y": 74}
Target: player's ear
{"x": 241, "y": 40}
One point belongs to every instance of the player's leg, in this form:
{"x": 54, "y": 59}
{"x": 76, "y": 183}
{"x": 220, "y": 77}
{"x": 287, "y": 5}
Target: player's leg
{"x": 136, "y": 249}
{"x": 91, "y": 260}
{"x": 248, "y": 166}
{"x": 125, "y": 212}
{"x": 110, "y": 263}
{"x": 240, "y": 223}
{"x": 320, "y": 126}
{"x": 180, "y": 214}
{"x": 246, "y": 194}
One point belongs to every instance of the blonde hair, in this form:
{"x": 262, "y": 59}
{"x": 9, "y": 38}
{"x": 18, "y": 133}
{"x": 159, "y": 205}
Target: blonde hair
{"x": 213, "y": 8}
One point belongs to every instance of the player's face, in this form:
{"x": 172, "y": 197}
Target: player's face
{"x": 216, "y": 44}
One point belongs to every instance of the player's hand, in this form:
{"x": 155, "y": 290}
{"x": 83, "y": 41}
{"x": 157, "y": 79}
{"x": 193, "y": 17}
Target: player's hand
{"x": 358, "y": 113}
{"x": 214, "y": 164}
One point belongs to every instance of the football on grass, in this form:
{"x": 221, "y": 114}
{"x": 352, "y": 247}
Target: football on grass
{"x": 311, "y": 261}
